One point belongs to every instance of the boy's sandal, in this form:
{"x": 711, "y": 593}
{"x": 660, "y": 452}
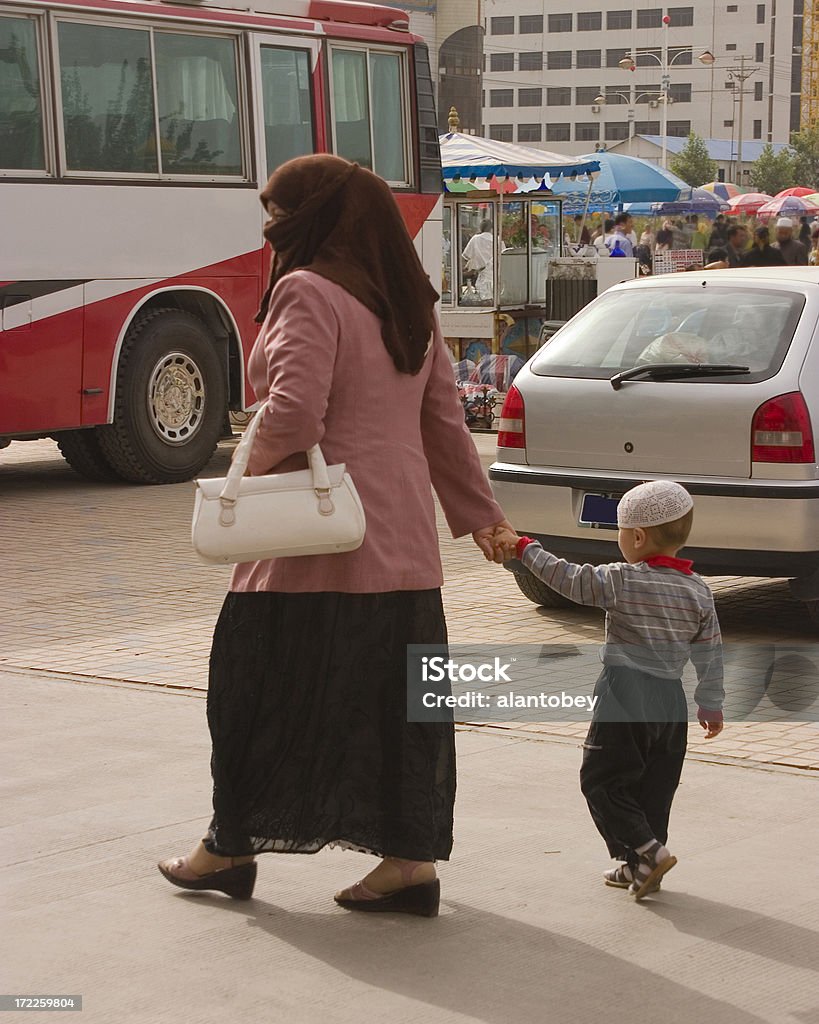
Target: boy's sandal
{"x": 649, "y": 871}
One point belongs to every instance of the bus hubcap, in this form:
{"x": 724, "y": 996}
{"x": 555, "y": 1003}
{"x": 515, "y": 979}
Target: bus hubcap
{"x": 176, "y": 398}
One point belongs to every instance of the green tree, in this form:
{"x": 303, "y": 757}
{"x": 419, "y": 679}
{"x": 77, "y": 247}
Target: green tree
{"x": 772, "y": 172}
{"x": 692, "y": 163}
{"x": 805, "y": 146}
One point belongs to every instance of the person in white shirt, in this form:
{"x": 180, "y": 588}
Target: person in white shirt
{"x": 620, "y": 234}
{"x": 479, "y": 254}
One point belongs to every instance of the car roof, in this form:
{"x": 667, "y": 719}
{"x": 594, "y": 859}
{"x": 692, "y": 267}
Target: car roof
{"x": 804, "y": 278}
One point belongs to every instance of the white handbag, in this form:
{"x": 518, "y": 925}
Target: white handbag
{"x": 315, "y": 511}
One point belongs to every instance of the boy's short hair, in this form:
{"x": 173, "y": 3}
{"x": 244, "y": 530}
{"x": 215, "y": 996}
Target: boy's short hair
{"x": 673, "y": 534}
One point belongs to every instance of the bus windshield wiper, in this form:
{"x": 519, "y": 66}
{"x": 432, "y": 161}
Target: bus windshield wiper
{"x": 668, "y": 371}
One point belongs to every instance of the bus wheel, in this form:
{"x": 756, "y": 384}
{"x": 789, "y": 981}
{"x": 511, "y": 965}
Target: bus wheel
{"x": 81, "y": 450}
{"x": 170, "y": 400}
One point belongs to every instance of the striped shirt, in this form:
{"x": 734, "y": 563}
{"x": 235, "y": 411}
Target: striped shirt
{"x": 659, "y": 615}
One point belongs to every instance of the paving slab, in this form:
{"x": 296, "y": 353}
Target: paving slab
{"x": 101, "y": 780}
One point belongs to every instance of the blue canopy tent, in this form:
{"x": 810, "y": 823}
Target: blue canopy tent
{"x": 469, "y": 156}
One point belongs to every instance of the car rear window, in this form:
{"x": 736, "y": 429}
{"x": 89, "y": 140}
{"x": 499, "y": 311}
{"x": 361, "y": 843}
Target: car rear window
{"x": 622, "y": 329}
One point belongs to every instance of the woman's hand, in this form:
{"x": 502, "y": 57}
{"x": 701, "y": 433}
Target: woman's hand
{"x": 489, "y": 537}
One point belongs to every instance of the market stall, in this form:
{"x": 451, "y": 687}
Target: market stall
{"x": 502, "y": 230}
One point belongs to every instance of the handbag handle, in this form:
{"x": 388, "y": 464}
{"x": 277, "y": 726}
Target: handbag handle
{"x": 238, "y": 466}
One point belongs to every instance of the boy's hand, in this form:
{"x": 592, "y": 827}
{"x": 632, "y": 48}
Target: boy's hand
{"x": 711, "y": 721}
{"x": 505, "y": 543}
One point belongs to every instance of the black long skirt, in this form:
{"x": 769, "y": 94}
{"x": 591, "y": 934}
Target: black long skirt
{"x": 308, "y": 719}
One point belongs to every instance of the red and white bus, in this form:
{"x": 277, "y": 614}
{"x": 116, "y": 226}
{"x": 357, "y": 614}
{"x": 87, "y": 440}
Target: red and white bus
{"x": 134, "y": 138}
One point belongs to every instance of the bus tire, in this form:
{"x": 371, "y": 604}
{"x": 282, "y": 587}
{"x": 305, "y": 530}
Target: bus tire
{"x": 170, "y": 400}
{"x": 81, "y": 450}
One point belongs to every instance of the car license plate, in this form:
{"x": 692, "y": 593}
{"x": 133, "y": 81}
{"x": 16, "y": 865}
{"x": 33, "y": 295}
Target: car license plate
{"x": 599, "y": 511}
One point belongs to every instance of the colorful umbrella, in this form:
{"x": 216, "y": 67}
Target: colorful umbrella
{"x": 749, "y": 203}
{"x": 798, "y": 190}
{"x": 723, "y": 189}
{"x": 624, "y": 179}
{"x": 812, "y": 198}
{"x": 788, "y": 206}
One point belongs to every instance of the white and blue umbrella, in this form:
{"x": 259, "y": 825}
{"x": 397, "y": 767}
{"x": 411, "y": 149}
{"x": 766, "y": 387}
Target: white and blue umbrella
{"x": 623, "y": 179}
{"x": 469, "y": 156}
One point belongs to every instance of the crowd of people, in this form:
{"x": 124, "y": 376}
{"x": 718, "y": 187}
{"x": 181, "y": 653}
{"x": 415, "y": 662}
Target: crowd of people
{"x": 728, "y": 242}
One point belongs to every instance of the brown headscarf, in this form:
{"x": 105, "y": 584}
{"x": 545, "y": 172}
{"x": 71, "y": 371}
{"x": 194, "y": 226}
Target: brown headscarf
{"x": 342, "y": 222}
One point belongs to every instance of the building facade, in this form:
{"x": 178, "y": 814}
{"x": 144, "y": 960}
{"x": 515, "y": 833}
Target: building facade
{"x": 552, "y": 75}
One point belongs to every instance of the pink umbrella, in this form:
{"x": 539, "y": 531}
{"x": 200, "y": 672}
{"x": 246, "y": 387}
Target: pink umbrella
{"x": 749, "y": 203}
{"x": 788, "y": 206}
{"x": 798, "y": 190}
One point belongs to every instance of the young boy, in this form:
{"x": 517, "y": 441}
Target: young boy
{"x": 659, "y": 614}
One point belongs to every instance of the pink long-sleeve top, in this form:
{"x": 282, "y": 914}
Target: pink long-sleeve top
{"x": 320, "y": 359}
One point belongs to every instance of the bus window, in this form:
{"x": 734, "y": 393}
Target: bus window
{"x": 287, "y": 105}
{"x": 369, "y": 122}
{"x": 197, "y": 95}
{"x": 20, "y": 114}
{"x": 107, "y": 98}
{"x": 387, "y": 83}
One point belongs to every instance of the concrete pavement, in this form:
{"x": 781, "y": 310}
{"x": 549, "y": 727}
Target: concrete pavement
{"x": 100, "y": 781}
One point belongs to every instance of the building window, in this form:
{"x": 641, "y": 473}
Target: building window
{"x": 679, "y": 129}
{"x": 613, "y": 57}
{"x": 760, "y": 14}
{"x": 645, "y": 57}
{"x": 732, "y": 8}
{"x": 758, "y": 90}
{"x": 618, "y": 19}
{"x": 729, "y": 84}
{"x": 647, "y": 127}
{"x": 679, "y": 55}
{"x": 588, "y": 58}
{"x": 530, "y": 132}
{"x": 501, "y": 98}
{"x": 559, "y": 23}
{"x": 560, "y": 96}
{"x": 728, "y": 124}
{"x": 558, "y": 132}
{"x": 649, "y": 93}
{"x": 558, "y": 60}
{"x": 615, "y": 95}
{"x": 650, "y": 18}
{"x": 501, "y": 132}
{"x": 590, "y": 21}
{"x": 585, "y": 95}
{"x": 530, "y": 97}
{"x": 759, "y": 52}
{"x": 530, "y": 61}
{"x": 502, "y": 62}
{"x": 757, "y": 129}
{"x": 680, "y": 92}
{"x": 730, "y": 46}
{"x": 587, "y": 131}
{"x": 530, "y": 24}
{"x": 681, "y": 16}
{"x": 616, "y": 130}
{"x": 502, "y": 26}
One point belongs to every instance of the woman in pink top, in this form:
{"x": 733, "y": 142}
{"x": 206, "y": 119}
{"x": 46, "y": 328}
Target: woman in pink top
{"x": 307, "y": 691}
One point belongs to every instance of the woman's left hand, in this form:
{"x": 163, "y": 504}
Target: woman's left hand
{"x": 485, "y": 539}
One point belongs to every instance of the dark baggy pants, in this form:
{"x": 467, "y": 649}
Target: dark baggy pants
{"x": 633, "y": 757}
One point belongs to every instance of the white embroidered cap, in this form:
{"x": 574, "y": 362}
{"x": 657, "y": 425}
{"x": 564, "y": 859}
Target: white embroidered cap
{"x": 652, "y": 504}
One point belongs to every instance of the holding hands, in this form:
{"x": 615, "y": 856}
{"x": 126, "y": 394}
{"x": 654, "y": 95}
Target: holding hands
{"x": 497, "y": 542}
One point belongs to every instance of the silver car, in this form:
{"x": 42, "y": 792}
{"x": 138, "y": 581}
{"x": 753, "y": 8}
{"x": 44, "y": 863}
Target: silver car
{"x": 709, "y": 378}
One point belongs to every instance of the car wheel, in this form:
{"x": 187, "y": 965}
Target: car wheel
{"x": 81, "y": 450}
{"x": 170, "y": 401}
{"x": 538, "y": 593}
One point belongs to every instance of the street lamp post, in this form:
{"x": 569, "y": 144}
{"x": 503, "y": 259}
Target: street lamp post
{"x": 631, "y": 99}
{"x": 629, "y": 63}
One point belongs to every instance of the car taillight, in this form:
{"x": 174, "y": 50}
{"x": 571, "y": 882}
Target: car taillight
{"x": 781, "y": 431}
{"x": 512, "y": 427}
